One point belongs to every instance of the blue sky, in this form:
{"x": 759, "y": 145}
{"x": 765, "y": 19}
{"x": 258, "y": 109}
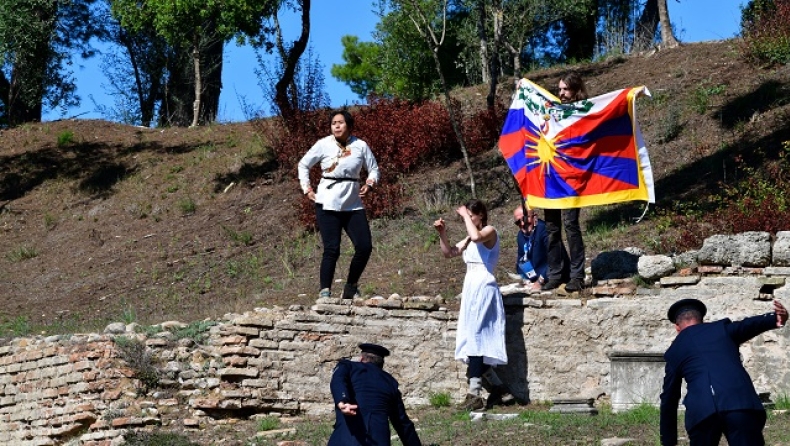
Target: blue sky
{"x": 694, "y": 21}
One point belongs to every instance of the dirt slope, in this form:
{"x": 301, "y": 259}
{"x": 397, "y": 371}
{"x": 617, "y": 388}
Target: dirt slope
{"x": 103, "y": 222}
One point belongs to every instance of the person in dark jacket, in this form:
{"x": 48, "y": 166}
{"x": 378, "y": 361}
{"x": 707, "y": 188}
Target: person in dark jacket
{"x": 720, "y": 397}
{"x": 367, "y": 399}
{"x": 532, "y": 261}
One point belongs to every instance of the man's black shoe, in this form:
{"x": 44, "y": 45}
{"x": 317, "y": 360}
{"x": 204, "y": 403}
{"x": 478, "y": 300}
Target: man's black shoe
{"x": 551, "y": 285}
{"x": 574, "y": 285}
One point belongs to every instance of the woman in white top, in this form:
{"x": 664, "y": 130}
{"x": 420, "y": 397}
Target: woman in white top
{"x": 480, "y": 337}
{"x": 338, "y": 198}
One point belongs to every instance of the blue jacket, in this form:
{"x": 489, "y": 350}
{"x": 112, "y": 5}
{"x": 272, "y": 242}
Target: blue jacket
{"x": 707, "y": 357}
{"x": 538, "y": 253}
{"x": 379, "y": 402}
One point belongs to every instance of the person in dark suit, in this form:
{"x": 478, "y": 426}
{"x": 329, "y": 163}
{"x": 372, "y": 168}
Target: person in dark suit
{"x": 367, "y": 399}
{"x": 720, "y": 397}
{"x": 532, "y": 261}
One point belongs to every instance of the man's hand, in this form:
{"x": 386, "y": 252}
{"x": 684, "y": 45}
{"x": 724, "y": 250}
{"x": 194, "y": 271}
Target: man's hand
{"x": 348, "y": 409}
{"x": 781, "y": 314}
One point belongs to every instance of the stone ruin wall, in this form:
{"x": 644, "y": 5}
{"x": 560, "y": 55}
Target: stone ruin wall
{"x": 76, "y": 388}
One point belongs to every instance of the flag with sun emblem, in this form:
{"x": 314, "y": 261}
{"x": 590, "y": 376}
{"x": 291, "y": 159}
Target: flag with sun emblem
{"x": 583, "y": 153}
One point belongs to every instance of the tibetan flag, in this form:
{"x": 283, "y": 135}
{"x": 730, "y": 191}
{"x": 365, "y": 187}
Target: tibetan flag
{"x": 583, "y": 153}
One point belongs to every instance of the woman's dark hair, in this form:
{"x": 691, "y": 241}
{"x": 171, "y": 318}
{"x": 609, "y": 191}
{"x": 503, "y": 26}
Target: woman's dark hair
{"x": 575, "y": 84}
{"x": 346, "y": 115}
{"x": 477, "y": 207}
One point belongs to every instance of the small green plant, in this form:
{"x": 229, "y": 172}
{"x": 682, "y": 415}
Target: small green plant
{"x": 669, "y": 126}
{"x": 700, "y": 98}
{"x": 140, "y": 360}
{"x": 196, "y": 331}
{"x": 50, "y": 221}
{"x": 187, "y": 206}
{"x": 782, "y": 402}
{"x": 129, "y": 315}
{"x": 241, "y": 237}
{"x": 268, "y": 424}
{"x": 65, "y": 138}
{"x": 22, "y": 253}
{"x": 19, "y": 326}
{"x": 641, "y": 414}
{"x": 641, "y": 281}
{"x": 441, "y": 399}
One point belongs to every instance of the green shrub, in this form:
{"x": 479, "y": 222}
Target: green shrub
{"x": 765, "y": 27}
{"x": 65, "y": 138}
{"x": 139, "y": 358}
{"x": 268, "y": 424}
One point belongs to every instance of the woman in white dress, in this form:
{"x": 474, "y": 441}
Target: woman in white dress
{"x": 480, "y": 338}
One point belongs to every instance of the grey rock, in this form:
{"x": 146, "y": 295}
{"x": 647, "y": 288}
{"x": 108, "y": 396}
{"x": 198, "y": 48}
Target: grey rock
{"x": 115, "y": 328}
{"x": 654, "y": 267}
{"x": 781, "y": 249}
{"x": 746, "y": 249}
{"x": 685, "y": 259}
{"x": 617, "y": 441}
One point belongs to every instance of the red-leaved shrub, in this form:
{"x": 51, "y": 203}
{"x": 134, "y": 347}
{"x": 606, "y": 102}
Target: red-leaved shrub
{"x": 402, "y": 135}
{"x": 765, "y": 27}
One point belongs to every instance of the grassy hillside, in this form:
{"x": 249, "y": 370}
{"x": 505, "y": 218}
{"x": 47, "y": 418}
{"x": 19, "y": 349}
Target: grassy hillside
{"x": 103, "y": 222}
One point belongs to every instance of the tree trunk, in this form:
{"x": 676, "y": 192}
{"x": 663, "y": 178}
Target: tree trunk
{"x": 281, "y": 99}
{"x": 483, "y": 36}
{"x": 433, "y": 45}
{"x": 212, "y": 80}
{"x": 198, "y": 84}
{"x": 498, "y": 17}
{"x": 516, "y": 54}
{"x": 667, "y": 36}
{"x": 645, "y": 29}
{"x": 581, "y": 35}
{"x": 176, "y": 109}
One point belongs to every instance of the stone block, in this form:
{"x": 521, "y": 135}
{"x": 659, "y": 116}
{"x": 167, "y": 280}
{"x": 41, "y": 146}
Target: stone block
{"x": 635, "y": 379}
{"x": 679, "y": 281}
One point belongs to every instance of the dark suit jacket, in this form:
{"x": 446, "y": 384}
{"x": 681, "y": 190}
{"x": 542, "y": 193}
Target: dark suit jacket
{"x": 538, "y": 254}
{"x": 707, "y": 357}
{"x": 379, "y": 402}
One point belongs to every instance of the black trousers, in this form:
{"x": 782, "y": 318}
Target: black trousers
{"x": 331, "y": 225}
{"x": 740, "y": 427}
{"x": 569, "y": 218}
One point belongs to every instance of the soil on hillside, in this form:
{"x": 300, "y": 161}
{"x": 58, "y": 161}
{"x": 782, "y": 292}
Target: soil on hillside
{"x": 103, "y": 222}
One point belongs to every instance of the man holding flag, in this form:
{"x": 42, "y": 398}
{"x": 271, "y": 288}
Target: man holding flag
{"x": 572, "y": 89}
{"x": 572, "y": 151}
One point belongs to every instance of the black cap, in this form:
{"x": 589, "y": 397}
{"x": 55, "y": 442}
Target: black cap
{"x": 375, "y": 349}
{"x": 683, "y": 305}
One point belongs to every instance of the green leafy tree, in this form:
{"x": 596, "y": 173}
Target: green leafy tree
{"x": 197, "y": 29}
{"x": 37, "y": 39}
{"x": 137, "y": 74}
{"x": 361, "y": 71}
